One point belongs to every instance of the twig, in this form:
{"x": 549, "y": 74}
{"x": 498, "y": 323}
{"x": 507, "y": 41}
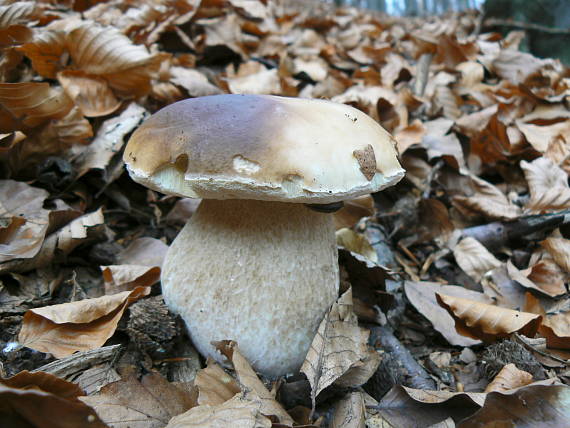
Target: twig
{"x": 492, "y": 22}
{"x": 422, "y": 73}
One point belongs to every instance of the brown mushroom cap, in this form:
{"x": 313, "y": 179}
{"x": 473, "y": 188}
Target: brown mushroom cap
{"x": 262, "y": 147}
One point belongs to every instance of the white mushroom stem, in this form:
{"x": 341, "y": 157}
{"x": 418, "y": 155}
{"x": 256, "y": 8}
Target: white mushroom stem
{"x": 260, "y": 273}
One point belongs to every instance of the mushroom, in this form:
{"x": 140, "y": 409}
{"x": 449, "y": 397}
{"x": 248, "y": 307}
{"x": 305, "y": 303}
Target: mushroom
{"x": 254, "y": 263}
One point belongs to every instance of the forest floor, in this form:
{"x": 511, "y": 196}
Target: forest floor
{"x": 454, "y": 282}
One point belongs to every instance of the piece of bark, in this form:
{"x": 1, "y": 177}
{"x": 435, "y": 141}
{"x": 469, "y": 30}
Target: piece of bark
{"x": 398, "y": 366}
{"x": 185, "y": 362}
{"x": 76, "y": 363}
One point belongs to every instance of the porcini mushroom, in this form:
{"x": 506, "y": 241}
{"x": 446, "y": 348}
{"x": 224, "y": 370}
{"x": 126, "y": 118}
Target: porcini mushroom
{"x": 254, "y": 264}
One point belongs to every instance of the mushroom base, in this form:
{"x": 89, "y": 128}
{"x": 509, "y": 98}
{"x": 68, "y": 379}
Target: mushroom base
{"x": 260, "y": 273}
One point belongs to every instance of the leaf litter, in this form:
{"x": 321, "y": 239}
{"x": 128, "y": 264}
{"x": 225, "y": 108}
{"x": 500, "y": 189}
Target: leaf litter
{"x": 475, "y": 236}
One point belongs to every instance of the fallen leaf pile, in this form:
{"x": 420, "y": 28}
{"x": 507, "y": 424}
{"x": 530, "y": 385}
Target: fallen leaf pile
{"x": 464, "y": 265}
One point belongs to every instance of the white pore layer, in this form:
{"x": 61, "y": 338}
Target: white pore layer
{"x": 260, "y": 273}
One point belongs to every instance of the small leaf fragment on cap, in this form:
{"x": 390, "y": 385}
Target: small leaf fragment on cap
{"x": 367, "y": 161}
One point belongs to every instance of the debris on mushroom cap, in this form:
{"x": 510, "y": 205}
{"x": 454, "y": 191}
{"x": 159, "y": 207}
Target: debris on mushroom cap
{"x": 263, "y": 147}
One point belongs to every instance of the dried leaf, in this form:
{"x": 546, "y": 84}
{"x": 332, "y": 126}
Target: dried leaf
{"x": 474, "y": 258}
{"x": 41, "y": 399}
{"x": 487, "y": 322}
{"x": 61, "y": 242}
{"x": 109, "y": 140}
{"x": 355, "y": 243}
{"x": 90, "y": 93}
{"x": 339, "y": 345}
{"x": 239, "y": 412}
{"x": 532, "y": 406}
{"x": 17, "y": 13}
{"x": 31, "y": 104}
{"x": 148, "y": 403}
{"x": 548, "y": 185}
{"x": 547, "y": 286}
{"x": 488, "y": 200}
{"x": 106, "y": 52}
{"x": 422, "y": 296}
{"x": 559, "y": 249}
{"x": 25, "y": 221}
{"x": 45, "y": 51}
{"x": 349, "y": 412}
{"x": 77, "y": 326}
{"x": 510, "y": 377}
{"x": 251, "y": 384}
{"x": 405, "y": 407}
{"x": 193, "y": 81}
{"x": 214, "y": 385}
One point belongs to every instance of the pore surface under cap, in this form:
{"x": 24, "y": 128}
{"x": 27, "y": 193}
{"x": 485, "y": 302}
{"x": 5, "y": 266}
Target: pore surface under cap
{"x": 262, "y": 147}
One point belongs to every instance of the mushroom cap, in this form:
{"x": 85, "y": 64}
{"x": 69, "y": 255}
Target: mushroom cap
{"x": 262, "y": 147}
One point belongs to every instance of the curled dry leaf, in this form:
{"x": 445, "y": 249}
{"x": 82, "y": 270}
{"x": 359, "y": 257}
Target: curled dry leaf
{"x": 422, "y": 296}
{"x": 17, "y": 13}
{"x": 61, "y": 242}
{"x": 544, "y": 284}
{"x": 548, "y": 185}
{"x": 77, "y": 326}
{"x": 559, "y": 249}
{"x": 544, "y": 406}
{"x": 350, "y": 411}
{"x": 31, "y": 104}
{"x": 25, "y": 221}
{"x": 252, "y": 385}
{"x": 487, "y": 322}
{"x": 510, "y": 377}
{"x": 106, "y": 52}
{"x": 45, "y": 51}
{"x": 404, "y": 407}
{"x": 474, "y": 258}
{"x": 338, "y": 345}
{"x": 193, "y": 81}
{"x": 148, "y": 403}
{"x": 239, "y": 412}
{"x": 215, "y": 386}
{"x": 109, "y": 140}
{"x": 140, "y": 265}
{"x": 43, "y": 400}
{"x": 90, "y": 93}
{"x": 355, "y": 243}
{"x": 487, "y": 200}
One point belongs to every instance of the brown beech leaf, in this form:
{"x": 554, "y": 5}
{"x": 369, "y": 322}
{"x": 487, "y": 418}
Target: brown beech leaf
{"x": 488, "y": 200}
{"x": 338, "y": 345}
{"x": 487, "y": 322}
{"x": 62, "y": 241}
{"x": 355, "y": 243}
{"x": 43, "y": 400}
{"x": 106, "y": 52}
{"x": 77, "y": 326}
{"x": 559, "y": 249}
{"x": 405, "y": 407}
{"x": 25, "y": 221}
{"x": 31, "y": 103}
{"x": 410, "y": 135}
{"x": 350, "y": 411}
{"x": 146, "y": 403}
{"x": 45, "y": 52}
{"x": 422, "y": 296}
{"x": 541, "y": 137}
{"x": 215, "y": 386}
{"x": 90, "y": 93}
{"x": 239, "y": 412}
{"x": 510, "y": 377}
{"x": 556, "y": 329}
{"x": 17, "y": 13}
{"x": 474, "y": 258}
{"x": 252, "y": 385}
{"x": 195, "y": 83}
{"x": 109, "y": 140}
{"x": 544, "y": 406}
{"x": 548, "y": 185}
{"x": 546, "y": 284}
